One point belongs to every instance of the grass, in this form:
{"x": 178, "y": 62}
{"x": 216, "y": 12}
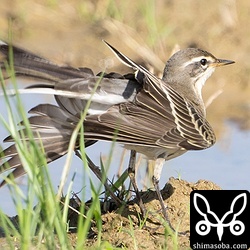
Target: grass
{"x": 48, "y": 218}
{"x": 46, "y": 225}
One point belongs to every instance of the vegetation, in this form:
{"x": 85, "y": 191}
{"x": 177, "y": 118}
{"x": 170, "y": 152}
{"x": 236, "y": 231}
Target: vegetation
{"x": 151, "y": 29}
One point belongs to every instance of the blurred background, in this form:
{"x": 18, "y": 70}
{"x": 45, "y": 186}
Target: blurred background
{"x": 148, "y": 31}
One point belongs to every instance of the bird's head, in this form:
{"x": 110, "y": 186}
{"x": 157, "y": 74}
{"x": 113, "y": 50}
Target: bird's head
{"x": 190, "y": 68}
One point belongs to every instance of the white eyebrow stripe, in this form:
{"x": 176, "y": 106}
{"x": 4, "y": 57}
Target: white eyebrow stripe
{"x": 197, "y": 59}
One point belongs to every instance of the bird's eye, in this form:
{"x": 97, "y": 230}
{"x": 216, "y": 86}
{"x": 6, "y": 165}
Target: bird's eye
{"x": 203, "y": 61}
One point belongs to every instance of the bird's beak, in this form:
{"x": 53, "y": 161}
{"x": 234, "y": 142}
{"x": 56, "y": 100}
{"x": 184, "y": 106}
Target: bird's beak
{"x": 222, "y": 62}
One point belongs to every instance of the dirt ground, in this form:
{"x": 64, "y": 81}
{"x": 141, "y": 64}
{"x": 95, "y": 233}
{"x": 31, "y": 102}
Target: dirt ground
{"x": 176, "y": 194}
{"x": 116, "y": 226}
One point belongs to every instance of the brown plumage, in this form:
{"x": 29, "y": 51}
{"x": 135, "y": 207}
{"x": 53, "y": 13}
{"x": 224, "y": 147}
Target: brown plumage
{"x": 160, "y": 118}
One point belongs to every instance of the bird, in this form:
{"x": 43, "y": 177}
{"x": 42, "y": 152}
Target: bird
{"x": 161, "y": 118}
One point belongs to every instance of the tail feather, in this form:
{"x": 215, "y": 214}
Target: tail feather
{"x": 51, "y": 131}
{"x": 54, "y": 113}
{"x": 9, "y": 152}
{"x": 53, "y": 150}
{"x": 30, "y": 65}
{"x": 15, "y": 174}
{"x": 13, "y": 162}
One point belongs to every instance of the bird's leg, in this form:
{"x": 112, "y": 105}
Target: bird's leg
{"x": 155, "y": 179}
{"x": 131, "y": 174}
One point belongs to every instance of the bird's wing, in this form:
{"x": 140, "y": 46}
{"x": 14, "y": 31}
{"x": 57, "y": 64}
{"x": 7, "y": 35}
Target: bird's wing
{"x": 72, "y": 87}
{"x": 73, "y": 95}
{"x": 159, "y": 116}
{"x": 149, "y": 123}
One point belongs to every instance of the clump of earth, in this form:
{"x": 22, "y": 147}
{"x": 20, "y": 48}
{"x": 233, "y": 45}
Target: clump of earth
{"x": 124, "y": 228}
{"x": 116, "y": 227}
